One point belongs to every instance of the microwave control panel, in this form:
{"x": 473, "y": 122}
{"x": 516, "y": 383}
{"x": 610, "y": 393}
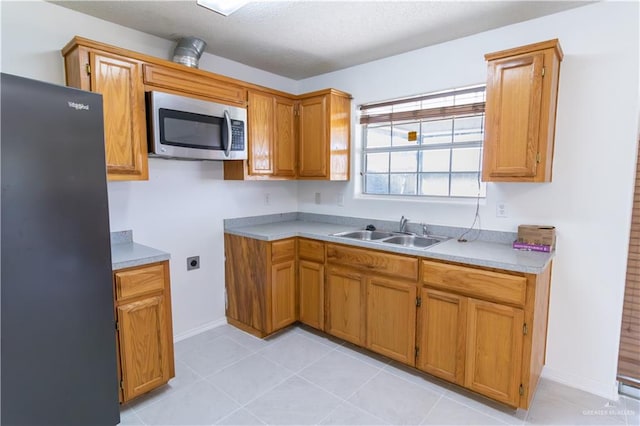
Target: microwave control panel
{"x": 237, "y": 135}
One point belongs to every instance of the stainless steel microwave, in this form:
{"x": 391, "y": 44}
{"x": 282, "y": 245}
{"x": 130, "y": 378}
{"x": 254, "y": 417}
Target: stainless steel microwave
{"x": 182, "y": 127}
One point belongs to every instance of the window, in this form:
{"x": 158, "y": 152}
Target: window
{"x": 428, "y": 145}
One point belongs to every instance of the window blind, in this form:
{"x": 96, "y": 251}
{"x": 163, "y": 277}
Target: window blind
{"x": 453, "y": 103}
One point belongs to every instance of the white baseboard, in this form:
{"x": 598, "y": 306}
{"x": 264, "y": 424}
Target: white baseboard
{"x": 609, "y": 391}
{"x": 199, "y": 329}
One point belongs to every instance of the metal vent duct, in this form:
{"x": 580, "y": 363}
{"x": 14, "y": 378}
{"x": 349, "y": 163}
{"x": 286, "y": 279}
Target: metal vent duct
{"x": 188, "y": 51}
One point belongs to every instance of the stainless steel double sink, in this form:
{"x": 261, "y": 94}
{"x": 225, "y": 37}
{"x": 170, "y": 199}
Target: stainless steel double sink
{"x": 401, "y": 239}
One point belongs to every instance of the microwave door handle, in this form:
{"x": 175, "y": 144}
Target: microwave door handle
{"x": 228, "y": 140}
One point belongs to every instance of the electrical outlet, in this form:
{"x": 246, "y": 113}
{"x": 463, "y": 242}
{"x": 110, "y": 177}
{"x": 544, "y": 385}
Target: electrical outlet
{"x": 501, "y": 209}
{"x": 267, "y": 199}
{"x": 193, "y": 262}
{"x": 318, "y": 198}
{"x": 340, "y": 199}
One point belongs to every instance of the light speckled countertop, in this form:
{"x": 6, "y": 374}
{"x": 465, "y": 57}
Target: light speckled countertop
{"x": 125, "y": 253}
{"x": 480, "y": 253}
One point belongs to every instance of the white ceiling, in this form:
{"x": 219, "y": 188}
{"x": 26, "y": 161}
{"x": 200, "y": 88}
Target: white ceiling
{"x": 300, "y": 39}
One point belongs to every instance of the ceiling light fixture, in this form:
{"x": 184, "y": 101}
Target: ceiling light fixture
{"x": 223, "y": 7}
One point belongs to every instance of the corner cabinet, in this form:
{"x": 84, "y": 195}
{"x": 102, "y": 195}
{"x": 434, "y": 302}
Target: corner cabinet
{"x": 520, "y": 115}
{"x": 325, "y": 135}
{"x": 297, "y": 137}
{"x": 311, "y": 282}
{"x": 144, "y": 331}
{"x": 119, "y": 80}
{"x": 260, "y": 281}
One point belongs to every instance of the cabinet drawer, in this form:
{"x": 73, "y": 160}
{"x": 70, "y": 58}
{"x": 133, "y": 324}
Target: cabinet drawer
{"x": 474, "y": 282}
{"x": 311, "y": 250}
{"x": 375, "y": 261}
{"x": 189, "y": 82}
{"x": 283, "y": 250}
{"x": 139, "y": 281}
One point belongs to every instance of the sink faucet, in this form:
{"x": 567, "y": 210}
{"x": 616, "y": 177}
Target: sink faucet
{"x": 403, "y": 223}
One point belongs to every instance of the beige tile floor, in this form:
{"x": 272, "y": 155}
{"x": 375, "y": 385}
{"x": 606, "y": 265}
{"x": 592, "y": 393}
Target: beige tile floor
{"x": 227, "y": 377}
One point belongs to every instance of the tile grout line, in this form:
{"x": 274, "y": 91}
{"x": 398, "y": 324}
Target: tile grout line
{"x": 431, "y": 409}
{"x": 345, "y": 400}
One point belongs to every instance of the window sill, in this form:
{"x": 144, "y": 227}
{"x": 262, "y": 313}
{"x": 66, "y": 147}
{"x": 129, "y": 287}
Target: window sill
{"x": 419, "y": 199}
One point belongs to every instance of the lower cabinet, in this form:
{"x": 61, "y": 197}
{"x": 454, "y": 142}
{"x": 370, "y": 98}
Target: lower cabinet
{"x": 391, "y": 318}
{"x": 311, "y": 283}
{"x": 260, "y": 283}
{"x": 283, "y": 294}
{"x": 345, "y": 304}
{"x": 144, "y": 330}
{"x": 494, "y": 350}
{"x": 479, "y": 328}
{"x": 311, "y": 289}
{"x": 441, "y": 334}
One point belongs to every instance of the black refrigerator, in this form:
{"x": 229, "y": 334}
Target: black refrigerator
{"x": 58, "y": 351}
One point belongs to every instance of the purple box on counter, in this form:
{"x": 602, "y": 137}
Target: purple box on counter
{"x": 519, "y": 245}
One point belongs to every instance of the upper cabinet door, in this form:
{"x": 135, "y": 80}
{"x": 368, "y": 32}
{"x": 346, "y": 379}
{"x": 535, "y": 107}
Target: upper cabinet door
{"x": 120, "y": 83}
{"x": 514, "y": 92}
{"x": 522, "y": 86}
{"x": 313, "y": 137}
{"x": 285, "y": 138}
{"x": 260, "y": 114}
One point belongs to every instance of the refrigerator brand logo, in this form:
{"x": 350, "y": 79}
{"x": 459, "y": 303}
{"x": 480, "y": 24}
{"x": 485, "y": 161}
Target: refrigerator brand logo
{"x": 78, "y": 106}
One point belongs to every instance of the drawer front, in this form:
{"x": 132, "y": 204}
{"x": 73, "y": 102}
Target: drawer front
{"x": 283, "y": 250}
{"x": 474, "y": 282}
{"x": 139, "y": 281}
{"x": 186, "y": 81}
{"x": 375, "y": 261}
{"x": 311, "y": 250}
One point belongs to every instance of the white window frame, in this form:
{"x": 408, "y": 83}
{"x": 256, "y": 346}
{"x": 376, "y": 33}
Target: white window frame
{"x": 427, "y": 108}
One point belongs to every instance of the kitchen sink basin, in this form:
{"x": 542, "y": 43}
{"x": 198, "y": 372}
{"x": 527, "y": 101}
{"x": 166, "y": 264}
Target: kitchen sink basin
{"x": 364, "y": 235}
{"x": 412, "y": 241}
{"x": 405, "y": 240}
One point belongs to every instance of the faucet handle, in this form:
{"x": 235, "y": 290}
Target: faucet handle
{"x": 425, "y": 229}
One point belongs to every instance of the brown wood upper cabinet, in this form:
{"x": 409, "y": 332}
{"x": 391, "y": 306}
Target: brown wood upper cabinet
{"x": 303, "y": 137}
{"x": 144, "y": 333}
{"x": 325, "y": 135}
{"x": 520, "y": 116}
{"x": 119, "y": 80}
{"x": 271, "y": 137}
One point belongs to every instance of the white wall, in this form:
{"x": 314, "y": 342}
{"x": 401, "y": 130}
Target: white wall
{"x": 180, "y": 209}
{"x": 590, "y": 198}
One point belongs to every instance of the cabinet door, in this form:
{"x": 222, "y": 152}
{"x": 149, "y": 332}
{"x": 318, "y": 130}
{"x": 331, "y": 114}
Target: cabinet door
{"x": 391, "y": 319}
{"x": 246, "y": 281}
{"x": 311, "y": 287}
{"x": 514, "y": 96}
{"x": 285, "y": 138}
{"x": 345, "y": 298}
{"x": 283, "y": 294}
{"x": 494, "y": 350}
{"x": 120, "y": 83}
{"x": 260, "y": 114}
{"x": 144, "y": 351}
{"x": 313, "y": 137}
{"x": 441, "y": 334}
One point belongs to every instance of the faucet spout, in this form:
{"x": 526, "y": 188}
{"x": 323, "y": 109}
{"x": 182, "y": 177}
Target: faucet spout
{"x": 403, "y": 223}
